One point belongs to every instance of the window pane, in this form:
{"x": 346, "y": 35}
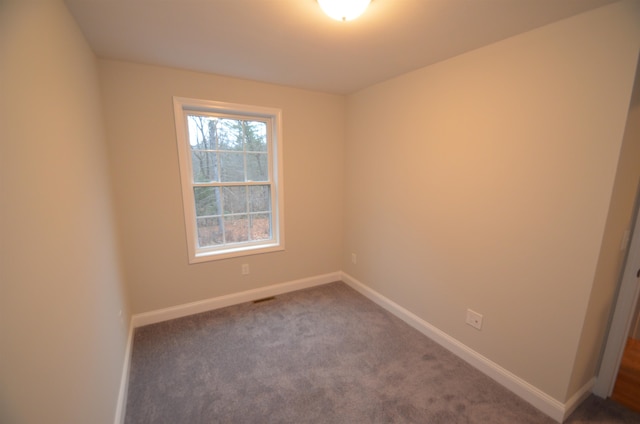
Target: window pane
{"x": 259, "y": 198}
{"x": 202, "y": 132}
{"x": 207, "y": 200}
{"x": 236, "y": 228}
{"x": 257, "y": 167}
{"x": 205, "y": 166}
{"x": 260, "y": 227}
{"x": 232, "y": 167}
{"x": 235, "y": 199}
{"x": 209, "y": 231}
{"x": 255, "y": 136}
{"x": 230, "y": 135}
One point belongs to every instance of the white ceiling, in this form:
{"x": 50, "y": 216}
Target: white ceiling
{"x": 291, "y": 42}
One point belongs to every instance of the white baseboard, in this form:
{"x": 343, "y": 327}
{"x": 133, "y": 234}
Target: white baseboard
{"x": 124, "y": 379}
{"x": 578, "y": 398}
{"x": 187, "y": 309}
{"x": 545, "y": 403}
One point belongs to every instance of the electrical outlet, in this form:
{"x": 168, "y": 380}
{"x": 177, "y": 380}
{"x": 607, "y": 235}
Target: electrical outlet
{"x": 474, "y": 319}
{"x": 245, "y": 269}
{"x": 354, "y": 258}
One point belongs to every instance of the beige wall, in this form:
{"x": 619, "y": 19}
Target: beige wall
{"x": 61, "y": 340}
{"x": 144, "y": 161}
{"x": 484, "y": 182}
{"x": 612, "y": 257}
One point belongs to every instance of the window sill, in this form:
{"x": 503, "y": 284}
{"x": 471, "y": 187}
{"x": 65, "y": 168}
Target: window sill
{"x": 235, "y": 252}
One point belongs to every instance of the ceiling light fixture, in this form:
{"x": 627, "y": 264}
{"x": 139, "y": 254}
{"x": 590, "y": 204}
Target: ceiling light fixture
{"x": 344, "y": 10}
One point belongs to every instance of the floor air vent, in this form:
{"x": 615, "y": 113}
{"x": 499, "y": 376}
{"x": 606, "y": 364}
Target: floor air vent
{"x": 266, "y": 299}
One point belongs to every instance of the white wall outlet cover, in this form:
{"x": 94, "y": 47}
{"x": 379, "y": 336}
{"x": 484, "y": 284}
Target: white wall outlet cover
{"x": 474, "y": 319}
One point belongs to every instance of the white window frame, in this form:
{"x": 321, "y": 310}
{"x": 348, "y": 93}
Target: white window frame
{"x": 273, "y": 118}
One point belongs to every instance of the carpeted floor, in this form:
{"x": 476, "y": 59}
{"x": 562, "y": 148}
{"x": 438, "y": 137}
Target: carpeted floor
{"x": 321, "y": 355}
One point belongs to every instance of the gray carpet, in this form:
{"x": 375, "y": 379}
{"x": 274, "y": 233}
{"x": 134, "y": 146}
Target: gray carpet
{"x": 321, "y": 355}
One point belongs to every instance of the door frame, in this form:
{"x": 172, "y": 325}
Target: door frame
{"x": 621, "y": 321}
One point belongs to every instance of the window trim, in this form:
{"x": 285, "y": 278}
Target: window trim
{"x": 182, "y": 106}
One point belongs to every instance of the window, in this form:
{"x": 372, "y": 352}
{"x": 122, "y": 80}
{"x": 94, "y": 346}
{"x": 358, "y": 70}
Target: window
{"x": 231, "y": 172}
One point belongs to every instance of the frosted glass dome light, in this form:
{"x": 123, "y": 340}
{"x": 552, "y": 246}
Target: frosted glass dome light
{"x": 344, "y": 10}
